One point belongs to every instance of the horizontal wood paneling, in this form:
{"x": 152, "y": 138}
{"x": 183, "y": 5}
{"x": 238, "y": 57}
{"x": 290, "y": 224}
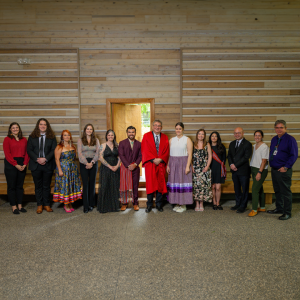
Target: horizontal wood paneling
{"x": 223, "y": 90}
{"x": 129, "y": 74}
{"x": 26, "y": 97}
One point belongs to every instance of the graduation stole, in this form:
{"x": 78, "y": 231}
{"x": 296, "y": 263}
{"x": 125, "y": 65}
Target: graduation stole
{"x": 223, "y": 168}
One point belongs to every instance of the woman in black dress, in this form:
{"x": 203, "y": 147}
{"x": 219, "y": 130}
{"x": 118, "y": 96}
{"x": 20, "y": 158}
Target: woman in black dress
{"x": 109, "y": 178}
{"x": 217, "y": 166}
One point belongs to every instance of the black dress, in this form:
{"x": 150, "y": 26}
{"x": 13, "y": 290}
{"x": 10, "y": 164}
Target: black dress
{"x": 109, "y": 183}
{"x": 216, "y": 167}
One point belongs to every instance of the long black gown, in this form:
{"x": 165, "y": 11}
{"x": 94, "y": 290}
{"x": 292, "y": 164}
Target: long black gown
{"x": 109, "y": 183}
{"x": 216, "y": 167}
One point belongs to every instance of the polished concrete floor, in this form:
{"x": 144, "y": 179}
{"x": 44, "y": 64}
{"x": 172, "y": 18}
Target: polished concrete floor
{"x": 134, "y": 255}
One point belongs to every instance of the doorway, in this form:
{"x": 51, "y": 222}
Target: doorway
{"x": 124, "y": 112}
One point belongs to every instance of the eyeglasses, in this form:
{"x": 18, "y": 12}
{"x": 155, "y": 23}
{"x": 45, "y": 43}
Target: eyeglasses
{"x": 279, "y": 127}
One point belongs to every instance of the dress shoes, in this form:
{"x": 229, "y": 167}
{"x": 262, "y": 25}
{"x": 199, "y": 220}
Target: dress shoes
{"x": 252, "y": 213}
{"x": 215, "y": 207}
{"x": 23, "y": 210}
{"x": 39, "y": 209}
{"x": 240, "y": 210}
{"x": 136, "y": 207}
{"x": 91, "y": 208}
{"x": 148, "y": 209}
{"x": 159, "y": 208}
{"x": 275, "y": 211}
{"x": 48, "y": 208}
{"x": 85, "y": 211}
{"x": 16, "y": 212}
{"x": 234, "y": 207}
{"x": 261, "y": 209}
{"x": 123, "y": 207}
{"x": 285, "y": 217}
{"x": 220, "y": 207}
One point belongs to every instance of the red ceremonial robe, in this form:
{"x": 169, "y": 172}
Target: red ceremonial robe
{"x": 155, "y": 175}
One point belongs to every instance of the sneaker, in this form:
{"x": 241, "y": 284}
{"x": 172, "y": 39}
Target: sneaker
{"x": 176, "y": 207}
{"x": 181, "y": 209}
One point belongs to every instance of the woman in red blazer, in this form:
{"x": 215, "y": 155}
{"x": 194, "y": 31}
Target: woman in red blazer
{"x": 15, "y": 162}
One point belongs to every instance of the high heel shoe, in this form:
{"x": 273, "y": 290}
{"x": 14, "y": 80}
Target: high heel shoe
{"x": 67, "y": 210}
{"x": 72, "y": 209}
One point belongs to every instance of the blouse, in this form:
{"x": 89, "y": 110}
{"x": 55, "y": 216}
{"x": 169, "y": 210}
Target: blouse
{"x": 87, "y": 151}
{"x": 179, "y": 146}
{"x": 258, "y": 155}
{"x": 13, "y": 148}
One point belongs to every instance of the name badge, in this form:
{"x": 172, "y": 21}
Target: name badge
{"x": 275, "y": 152}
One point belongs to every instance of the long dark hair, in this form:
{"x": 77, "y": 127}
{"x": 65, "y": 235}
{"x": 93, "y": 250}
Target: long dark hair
{"x": 220, "y": 146}
{"x": 9, "y": 133}
{"x": 106, "y": 134}
{"x": 36, "y": 131}
{"x": 84, "y": 136}
{"x": 204, "y": 140}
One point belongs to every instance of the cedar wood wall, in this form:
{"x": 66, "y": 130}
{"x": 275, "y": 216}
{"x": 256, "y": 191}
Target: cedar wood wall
{"x": 239, "y": 61}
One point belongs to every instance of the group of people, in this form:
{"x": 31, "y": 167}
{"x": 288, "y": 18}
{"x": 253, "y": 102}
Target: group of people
{"x": 195, "y": 170}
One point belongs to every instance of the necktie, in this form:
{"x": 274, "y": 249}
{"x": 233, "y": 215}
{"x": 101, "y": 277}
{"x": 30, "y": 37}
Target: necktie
{"x": 237, "y": 144}
{"x": 41, "y": 150}
{"x": 131, "y": 144}
{"x": 157, "y": 143}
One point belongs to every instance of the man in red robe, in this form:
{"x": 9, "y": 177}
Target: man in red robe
{"x": 155, "y": 153}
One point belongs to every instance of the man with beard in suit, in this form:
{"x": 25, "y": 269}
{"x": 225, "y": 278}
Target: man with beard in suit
{"x": 131, "y": 156}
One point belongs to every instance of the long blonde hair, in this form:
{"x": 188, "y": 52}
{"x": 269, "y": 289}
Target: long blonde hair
{"x": 204, "y": 140}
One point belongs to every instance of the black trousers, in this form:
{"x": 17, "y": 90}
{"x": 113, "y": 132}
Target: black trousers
{"x": 42, "y": 177}
{"x": 88, "y": 177}
{"x": 15, "y": 180}
{"x": 282, "y": 182}
{"x": 158, "y": 201}
{"x": 241, "y": 189}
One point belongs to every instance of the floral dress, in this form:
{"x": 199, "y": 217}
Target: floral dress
{"x": 67, "y": 188}
{"x": 201, "y": 181}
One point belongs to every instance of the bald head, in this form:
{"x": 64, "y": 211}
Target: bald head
{"x": 238, "y": 133}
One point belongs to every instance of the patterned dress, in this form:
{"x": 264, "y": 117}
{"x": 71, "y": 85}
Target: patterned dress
{"x": 201, "y": 181}
{"x": 109, "y": 183}
{"x": 67, "y": 188}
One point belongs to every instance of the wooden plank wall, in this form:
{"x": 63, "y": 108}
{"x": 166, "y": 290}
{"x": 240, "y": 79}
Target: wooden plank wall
{"x": 47, "y": 87}
{"x": 224, "y": 89}
{"x": 131, "y": 49}
{"x": 129, "y": 74}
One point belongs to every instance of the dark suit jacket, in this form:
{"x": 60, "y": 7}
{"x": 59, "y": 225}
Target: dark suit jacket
{"x": 129, "y": 156}
{"x": 240, "y": 157}
{"x": 33, "y": 152}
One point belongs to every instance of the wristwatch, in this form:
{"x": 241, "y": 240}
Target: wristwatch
{"x": 285, "y": 168}
{"x": 259, "y": 172}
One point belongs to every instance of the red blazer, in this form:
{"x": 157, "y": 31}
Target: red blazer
{"x": 128, "y": 155}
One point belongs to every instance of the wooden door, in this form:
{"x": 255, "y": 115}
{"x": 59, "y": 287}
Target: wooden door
{"x": 125, "y": 115}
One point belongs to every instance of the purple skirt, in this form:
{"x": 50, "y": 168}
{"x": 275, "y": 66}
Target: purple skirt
{"x": 180, "y": 186}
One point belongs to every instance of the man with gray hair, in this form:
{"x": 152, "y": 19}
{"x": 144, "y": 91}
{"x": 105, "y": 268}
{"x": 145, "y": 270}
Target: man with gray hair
{"x": 283, "y": 155}
{"x": 155, "y": 153}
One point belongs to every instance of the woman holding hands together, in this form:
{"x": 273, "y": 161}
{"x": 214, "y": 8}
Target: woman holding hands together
{"x": 109, "y": 178}
{"x": 202, "y": 156}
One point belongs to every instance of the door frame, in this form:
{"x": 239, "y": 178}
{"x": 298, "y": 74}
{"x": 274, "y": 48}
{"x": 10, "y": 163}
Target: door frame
{"x": 110, "y": 101}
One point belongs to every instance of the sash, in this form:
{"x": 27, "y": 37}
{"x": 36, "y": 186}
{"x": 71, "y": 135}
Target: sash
{"x": 125, "y": 184}
{"x": 217, "y": 159}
